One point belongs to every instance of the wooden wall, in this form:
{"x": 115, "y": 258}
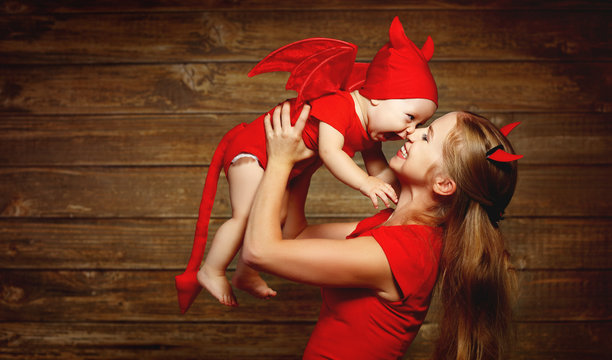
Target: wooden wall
{"x": 110, "y": 112}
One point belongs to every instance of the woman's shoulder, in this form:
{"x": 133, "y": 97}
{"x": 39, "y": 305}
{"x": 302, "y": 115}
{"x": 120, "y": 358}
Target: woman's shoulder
{"x": 421, "y": 244}
{"x": 413, "y": 253}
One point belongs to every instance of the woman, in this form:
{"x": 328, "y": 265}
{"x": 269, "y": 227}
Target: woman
{"x": 377, "y": 282}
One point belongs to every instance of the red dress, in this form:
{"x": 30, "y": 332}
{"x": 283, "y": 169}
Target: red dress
{"x": 356, "y": 323}
{"x": 337, "y": 110}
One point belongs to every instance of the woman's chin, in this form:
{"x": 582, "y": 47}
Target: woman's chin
{"x": 395, "y": 162}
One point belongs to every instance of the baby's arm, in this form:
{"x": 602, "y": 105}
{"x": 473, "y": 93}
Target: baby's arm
{"x": 376, "y": 164}
{"x": 344, "y": 168}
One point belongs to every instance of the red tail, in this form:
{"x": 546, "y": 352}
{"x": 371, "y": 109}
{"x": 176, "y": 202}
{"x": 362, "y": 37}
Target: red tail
{"x": 187, "y": 285}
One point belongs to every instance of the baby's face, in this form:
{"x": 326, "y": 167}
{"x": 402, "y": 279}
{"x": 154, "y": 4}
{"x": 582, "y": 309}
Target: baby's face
{"x": 395, "y": 119}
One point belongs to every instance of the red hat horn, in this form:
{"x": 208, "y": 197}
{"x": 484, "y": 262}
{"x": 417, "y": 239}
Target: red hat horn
{"x": 498, "y": 153}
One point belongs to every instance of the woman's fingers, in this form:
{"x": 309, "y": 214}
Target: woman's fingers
{"x": 268, "y": 126}
{"x": 276, "y": 119}
{"x": 286, "y": 116}
{"x": 301, "y": 120}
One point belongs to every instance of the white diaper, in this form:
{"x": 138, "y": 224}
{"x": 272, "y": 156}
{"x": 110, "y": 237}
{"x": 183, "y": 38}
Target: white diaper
{"x": 245, "y": 155}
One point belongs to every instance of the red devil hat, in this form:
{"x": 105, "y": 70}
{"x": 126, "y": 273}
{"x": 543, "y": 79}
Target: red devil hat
{"x": 400, "y": 70}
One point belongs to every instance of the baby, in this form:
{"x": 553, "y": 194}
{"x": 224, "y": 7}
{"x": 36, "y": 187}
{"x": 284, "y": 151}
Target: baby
{"x": 385, "y": 100}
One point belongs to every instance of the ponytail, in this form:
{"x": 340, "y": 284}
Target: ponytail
{"x": 477, "y": 282}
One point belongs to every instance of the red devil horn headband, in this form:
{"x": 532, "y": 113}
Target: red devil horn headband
{"x": 498, "y": 153}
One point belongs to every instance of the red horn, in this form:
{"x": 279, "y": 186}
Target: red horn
{"x": 502, "y": 156}
{"x": 507, "y": 128}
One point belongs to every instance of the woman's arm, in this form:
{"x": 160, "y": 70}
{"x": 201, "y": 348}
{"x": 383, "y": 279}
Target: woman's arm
{"x": 358, "y": 262}
{"x": 344, "y": 168}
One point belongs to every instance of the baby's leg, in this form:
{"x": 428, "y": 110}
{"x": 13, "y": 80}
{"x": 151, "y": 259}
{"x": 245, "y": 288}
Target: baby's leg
{"x": 243, "y": 177}
{"x": 248, "y": 279}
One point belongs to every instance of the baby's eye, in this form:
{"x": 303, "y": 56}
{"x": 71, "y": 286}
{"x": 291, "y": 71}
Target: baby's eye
{"x": 410, "y": 117}
{"x": 424, "y": 137}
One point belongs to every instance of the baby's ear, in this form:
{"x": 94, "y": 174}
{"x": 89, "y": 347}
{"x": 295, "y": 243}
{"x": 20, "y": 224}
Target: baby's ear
{"x": 443, "y": 185}
{"x": 374, "y": 102}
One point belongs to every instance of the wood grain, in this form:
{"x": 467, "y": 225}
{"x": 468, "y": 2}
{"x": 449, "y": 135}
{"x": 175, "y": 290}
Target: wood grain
{"x": 550, "y": 138}
{"x": 63, "y": 6}
{"x": 110, "y": 111}
{"x": 192, "y": 37}
{"x": 224, "y": 87}
{"x": 165, "y": 244}
{"x": 118, "y": 192}
{"x": 563, "y": 341}
{"x": 100, "y": 295}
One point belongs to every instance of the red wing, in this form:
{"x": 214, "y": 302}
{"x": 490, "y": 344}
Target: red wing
{"x": 357, "y": 77}
{"x": 318, "y": 66}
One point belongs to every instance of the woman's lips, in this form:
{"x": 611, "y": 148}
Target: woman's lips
{"x": 402, "y": 152}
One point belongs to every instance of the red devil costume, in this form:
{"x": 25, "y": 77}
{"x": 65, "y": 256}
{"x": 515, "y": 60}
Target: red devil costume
{"x": 323, "y": 73}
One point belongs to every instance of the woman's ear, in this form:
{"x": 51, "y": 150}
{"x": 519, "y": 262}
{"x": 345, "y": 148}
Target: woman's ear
{"x": 374, "y": 102}
{"x": 443, "y": 185}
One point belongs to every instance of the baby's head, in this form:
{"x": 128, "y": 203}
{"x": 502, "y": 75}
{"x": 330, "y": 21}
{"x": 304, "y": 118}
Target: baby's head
{"x": 399, "y": 74}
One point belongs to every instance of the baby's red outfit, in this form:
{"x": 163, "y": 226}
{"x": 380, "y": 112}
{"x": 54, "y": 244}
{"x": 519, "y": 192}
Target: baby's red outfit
{"x": 337, "y": 110}
{"x": 318, "y": 67}
{"x": 356, "y": 323}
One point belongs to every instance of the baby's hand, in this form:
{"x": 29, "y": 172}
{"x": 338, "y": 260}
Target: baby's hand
{"x": 374, "y": 187}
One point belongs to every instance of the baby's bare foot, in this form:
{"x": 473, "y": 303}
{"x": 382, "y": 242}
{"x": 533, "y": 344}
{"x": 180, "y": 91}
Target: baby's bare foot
{"x": 253, "y": 284}
{"x": 218, "y": 286}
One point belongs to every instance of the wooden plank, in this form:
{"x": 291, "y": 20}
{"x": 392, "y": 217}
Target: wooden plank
{"x": 180, "y": 37}
{"x": 224, "y": 87}
{"x": 125, "y": 192}
{"x": 154, "y": 341}
{"x": 261, "y": 341}
{"x": 114, "y": 140}
{"x": 137, "y": 296}
{"x": 189, "y": 139}
{"x": 165, "y": 244}
{"x": 33, "y": 6}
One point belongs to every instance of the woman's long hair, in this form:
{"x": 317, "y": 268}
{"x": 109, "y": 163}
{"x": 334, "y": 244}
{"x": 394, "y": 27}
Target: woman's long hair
{"x": 477, "y": 282}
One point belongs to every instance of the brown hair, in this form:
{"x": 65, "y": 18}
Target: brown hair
{"x": 477, "y": 282}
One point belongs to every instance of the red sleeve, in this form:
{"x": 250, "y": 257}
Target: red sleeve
{"x": 333, "y": 110}
{"x": 370, "y": 222}
{"x": 413, "y": 253}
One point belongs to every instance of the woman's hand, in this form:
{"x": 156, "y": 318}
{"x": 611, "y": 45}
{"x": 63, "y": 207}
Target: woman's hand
{"x": 284, "y": 142}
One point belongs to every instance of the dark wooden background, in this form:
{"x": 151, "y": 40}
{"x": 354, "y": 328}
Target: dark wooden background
{"x": 110, "y": 112}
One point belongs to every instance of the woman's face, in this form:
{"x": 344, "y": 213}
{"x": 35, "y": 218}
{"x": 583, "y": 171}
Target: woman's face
{"x": 422, "y": 153}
